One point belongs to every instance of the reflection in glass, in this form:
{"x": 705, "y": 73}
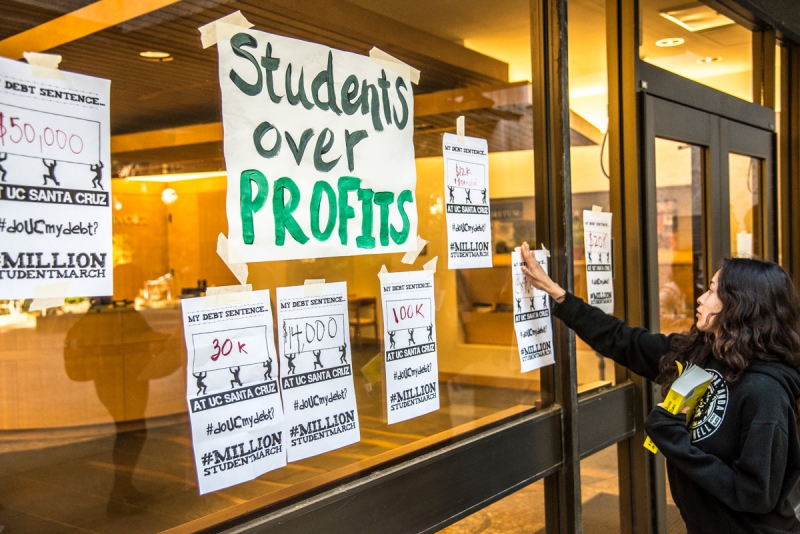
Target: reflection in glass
{"x": 522, "y": 512}
{"x": 588, "y": 121}
{"x": 93, "y": 416}
{"x": 679, "y": 231}
{"x": 696, "y": 42}
{"x": 744, "y": 179}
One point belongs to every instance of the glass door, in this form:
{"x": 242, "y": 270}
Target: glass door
{"x": 679, "y": 179}
{"x": 747, "y": 156}
{"x": 709, "y": 195}
{"x": 681, "y": 156}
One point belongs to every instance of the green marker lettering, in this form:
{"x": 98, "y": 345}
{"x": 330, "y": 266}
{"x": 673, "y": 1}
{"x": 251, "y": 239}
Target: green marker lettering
{"x": 401, "y": 123}
{"x": 271, "y": 64}
{"x": 300, "y": 97}
{"x": 323, "y": 147}
{"x": 350, "y": 141}
{"x": 249, "y": 205}
{"x": 365, "y": 240}
{"x": 384, "y": 84}
{"x": 383, "y": 199}
{"x": 316, "y": 201}
{"x": 297, "y": 152}
{"x": 258, "y": 135}
{"x": 239, "y": 41}
{"x": 350, "y": 102}
{"x": 346, "y": 185}
{"x": 401, "y": 236}
{"x": 283, "y": 212}
{"x": 325, "y": 77}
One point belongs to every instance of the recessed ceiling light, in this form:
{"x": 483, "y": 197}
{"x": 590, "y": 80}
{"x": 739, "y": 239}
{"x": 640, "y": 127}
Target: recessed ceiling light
{"x": 160, "y": 57}
{"x": 710, "y": 59}
{"x": 696, "y": 18}
{"x": 671, "y": 41}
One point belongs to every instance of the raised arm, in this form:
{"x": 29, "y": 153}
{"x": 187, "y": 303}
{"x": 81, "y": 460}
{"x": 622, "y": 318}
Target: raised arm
{"x": 635, "y": 348}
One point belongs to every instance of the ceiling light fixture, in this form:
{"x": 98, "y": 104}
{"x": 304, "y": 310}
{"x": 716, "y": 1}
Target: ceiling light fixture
{"x": 168, "y": 196}
{"x": 158, "y": 57}
{"x": 710, "y": 59}
{"x": 671, "y": 41}
{"x": 165, "y": 178}
{"x": 696, "y": 18}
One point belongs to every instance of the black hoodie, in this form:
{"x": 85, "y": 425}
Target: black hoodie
{"x": 731, "y": 470}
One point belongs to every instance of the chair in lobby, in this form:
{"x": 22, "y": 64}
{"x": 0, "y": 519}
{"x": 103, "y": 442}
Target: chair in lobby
{"x": 363, "y": 314}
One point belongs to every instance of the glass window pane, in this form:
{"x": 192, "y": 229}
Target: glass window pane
{"x": 588, "y": 121}
{"x": 600, "y": 495}
{"x": 113, "y": 452}
{"x": 696, "y": 42}
{"x": 600, "y": 491}
{"x": 679, "y": 227}
{"x": 522, "y": 512}
{"x": 744, "y": 179}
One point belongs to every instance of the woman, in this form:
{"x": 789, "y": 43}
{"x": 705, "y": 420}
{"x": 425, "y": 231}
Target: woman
{"x": 732, "y": 468}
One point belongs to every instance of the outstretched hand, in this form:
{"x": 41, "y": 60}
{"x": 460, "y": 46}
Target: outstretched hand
{"x": 536, "y": 275}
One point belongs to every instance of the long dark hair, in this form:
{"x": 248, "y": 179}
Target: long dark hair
{"x": 760, "y": 320}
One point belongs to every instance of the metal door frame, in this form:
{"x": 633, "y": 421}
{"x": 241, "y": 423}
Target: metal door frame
{"x": 679, "y": 109}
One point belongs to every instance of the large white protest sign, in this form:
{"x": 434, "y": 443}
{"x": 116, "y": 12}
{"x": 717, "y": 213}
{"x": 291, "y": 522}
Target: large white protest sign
{"x": 597, "y": 244}
{"x": 316, "y": 370}
{"x": 409, "y": 330}
{"x": 232, "y": 391}
{"x": 531, "y": 316}
{"x": 469, "y": 225}
{"x": 318, "y": 148}
{"x": 55, "y": 209}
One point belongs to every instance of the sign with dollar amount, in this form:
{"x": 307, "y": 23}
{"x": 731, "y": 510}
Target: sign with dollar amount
{"x": 232, "y": 392}
{"x": 532, "y": 322}
{"x": 316, "y": 370}
{"x": 55, "y": 201}
{"x": 597, "y": 244}
{"x": 412, "y": 363}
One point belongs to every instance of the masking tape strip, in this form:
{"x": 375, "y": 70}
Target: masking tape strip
{"x": 390, "y": 62}
{"x": 597, "y": 209}
{"x": 223, "y": 28}
{"x": 227, "y": 295}
{"x": 460, "y": 127}
{"x": 44, "y": 65}
{"x": 313, "y": 287}
{"x": 49, "y": 296}
{"x": 411, "y": 255}
{"x": 430, "y": 267}
{"x": 546, "y": 252}
{"x": 232, "y": 259}
{"x": 383, "y": 274}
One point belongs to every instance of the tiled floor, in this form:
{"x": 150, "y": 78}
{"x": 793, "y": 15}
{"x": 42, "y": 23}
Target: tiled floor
{"x": 522, "y": 512}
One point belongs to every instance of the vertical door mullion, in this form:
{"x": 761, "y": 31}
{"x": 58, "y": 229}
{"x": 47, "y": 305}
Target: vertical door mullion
{"x": 553, "y": 206}
{"x": 769, "y": 213}
{"x": 658, "y": 475}
{"x": 718, "y": 215}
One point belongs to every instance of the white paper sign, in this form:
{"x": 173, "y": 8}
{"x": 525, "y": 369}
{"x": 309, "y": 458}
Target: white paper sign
{"x": 531, "y": 317}
{"x": 318, "y": 148}
{"x": 316, "y": 370}
{"x": 597, "y": 244}
{"x": 466, "y": 181}
{"x": 744, "y": 245}
{"x": 409, "y": 331}
{"x": 55, "y": 166}
{"x": 232, "y": 391}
